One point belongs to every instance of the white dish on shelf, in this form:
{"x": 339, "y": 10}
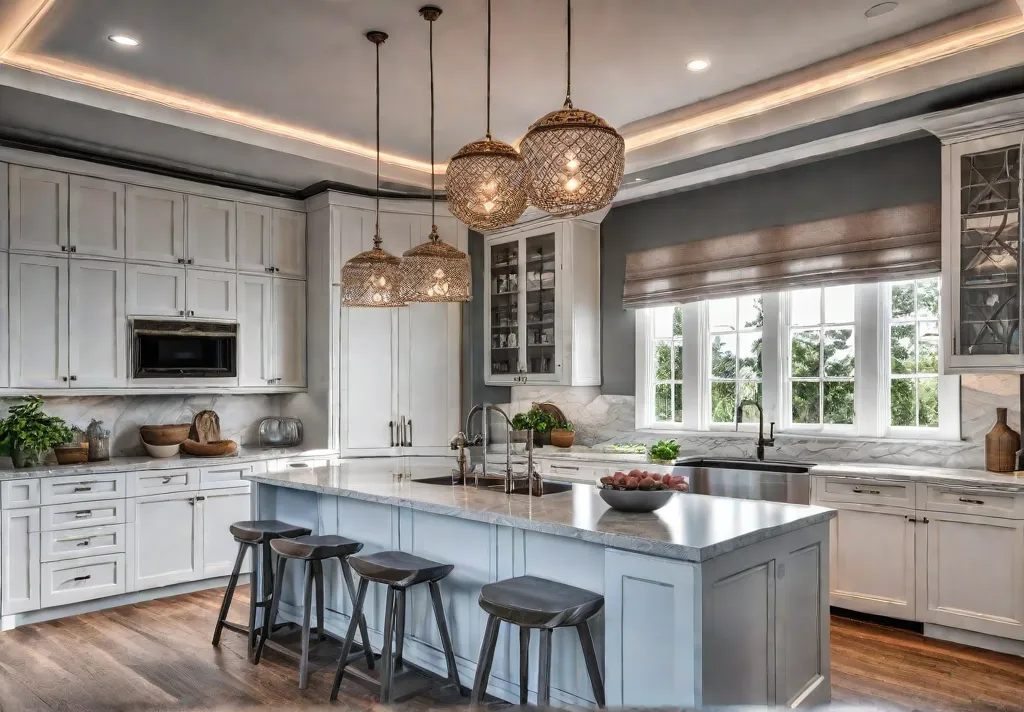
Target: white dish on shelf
{"x": 161, "y": 450}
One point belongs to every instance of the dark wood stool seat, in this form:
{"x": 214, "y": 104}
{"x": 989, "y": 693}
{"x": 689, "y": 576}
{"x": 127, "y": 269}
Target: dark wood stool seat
{"x": 255, "y": 535}
{"x": 531, "y": 602}
{"x": 397, "y": 570}
{"x": 312, "y": 550}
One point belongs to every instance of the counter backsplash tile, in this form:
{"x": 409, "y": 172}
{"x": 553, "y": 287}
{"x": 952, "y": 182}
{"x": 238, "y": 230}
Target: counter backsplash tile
{"x": 605, "y": 419}
{"x": 122, "y": 415}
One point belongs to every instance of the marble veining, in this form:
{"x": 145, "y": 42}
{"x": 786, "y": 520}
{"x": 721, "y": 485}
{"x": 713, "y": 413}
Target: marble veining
{"x": 689, "y": 528}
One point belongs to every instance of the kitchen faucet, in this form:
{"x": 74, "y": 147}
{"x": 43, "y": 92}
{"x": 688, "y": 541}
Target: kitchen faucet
{"x": 482, "y": 440}
{"x": 761, "y": 441}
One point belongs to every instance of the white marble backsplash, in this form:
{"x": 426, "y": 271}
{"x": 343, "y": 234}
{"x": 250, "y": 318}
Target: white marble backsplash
{"x": 600, "y": 419}
{"x": 122, "y": 415}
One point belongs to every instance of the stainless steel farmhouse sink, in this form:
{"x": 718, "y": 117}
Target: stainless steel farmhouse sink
{"x": 747, "y": 479}
{"x": 497, "y": 484}
{"x": 740, "y": 464}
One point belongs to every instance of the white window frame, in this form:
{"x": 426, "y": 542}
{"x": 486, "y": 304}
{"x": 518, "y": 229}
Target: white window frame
{"x": 705, "y": 341}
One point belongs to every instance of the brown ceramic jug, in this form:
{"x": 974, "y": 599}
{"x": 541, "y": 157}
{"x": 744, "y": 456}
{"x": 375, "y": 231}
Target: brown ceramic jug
{"x": 1001, "y": 445}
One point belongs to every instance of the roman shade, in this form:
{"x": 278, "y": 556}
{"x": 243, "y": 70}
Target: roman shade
{"x": 881, "y": 245}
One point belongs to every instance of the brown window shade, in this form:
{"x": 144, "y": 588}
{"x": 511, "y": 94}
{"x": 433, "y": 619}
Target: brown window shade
{"x": 881, "y": 245}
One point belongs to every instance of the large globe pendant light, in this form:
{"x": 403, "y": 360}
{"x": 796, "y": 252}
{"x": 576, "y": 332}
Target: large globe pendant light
{"x": 373, "y": 278}
{"x": 486, "y": 180}
{"x": 574, "y": 158}
{"x": 434, "y": 271}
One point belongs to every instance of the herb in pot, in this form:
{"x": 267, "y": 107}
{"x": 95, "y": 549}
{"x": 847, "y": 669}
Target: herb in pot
{"x": 27, "y": 433}
{"x": 664, "y": 451}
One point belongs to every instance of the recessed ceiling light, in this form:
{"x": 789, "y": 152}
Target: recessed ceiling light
{"x": 881, "y": 8}
{"x": 124, "y": 40}
{"x": 698, "y": 65}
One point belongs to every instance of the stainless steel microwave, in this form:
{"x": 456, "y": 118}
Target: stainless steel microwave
{"x": 183, "y": 349}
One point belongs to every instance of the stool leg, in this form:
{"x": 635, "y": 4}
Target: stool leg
{"x": 346, "y": 571}
{"x": 258, "y": 560}
{"x": 483, "y": 663}
{"x": 386, "y": 655}
{"x": 229, "y": 594}
{"x": 446, "y": 639}
{"x": 318, "y": 577}
{"x": 524, "y": 665}
{"x": 307, "y": 605}
{"x": 544, "y": 669}
{"x": 590, "y": 655}
{"x": 346, "y": 648}
{"x": 268, "y": 623}
{"x": 399, "y": 627}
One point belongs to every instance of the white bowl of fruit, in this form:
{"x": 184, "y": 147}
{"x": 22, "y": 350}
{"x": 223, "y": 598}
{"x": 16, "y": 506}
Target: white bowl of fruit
{"x": 640, "y": 491}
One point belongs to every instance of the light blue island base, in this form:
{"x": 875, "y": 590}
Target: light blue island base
{"x": 709, "y": 601}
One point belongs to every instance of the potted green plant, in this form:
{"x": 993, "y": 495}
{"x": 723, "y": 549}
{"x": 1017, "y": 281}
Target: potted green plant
{"x": 664, "y": 451}
{"x": 563, "y": 434}
{"x": 27, "y": 432}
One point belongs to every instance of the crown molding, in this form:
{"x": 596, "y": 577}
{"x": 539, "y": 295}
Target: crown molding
{"x": 978, "y": 120}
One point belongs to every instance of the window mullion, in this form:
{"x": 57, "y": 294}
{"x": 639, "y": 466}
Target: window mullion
{"x": 870, "y": 386}
{"x": 696, "y": 367}
{"x": 773, "y": 331}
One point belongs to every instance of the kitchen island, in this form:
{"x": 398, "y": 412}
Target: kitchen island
{"x": 708, "y": 601}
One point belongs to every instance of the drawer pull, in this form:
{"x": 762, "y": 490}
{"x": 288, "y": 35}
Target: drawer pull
{"x": 167, "y": 480}
{"x": 82, "y": 578}
{"x": 564, "y": 467}
{"x": 83, "y": 515}
{"x": 858, "y": 490}
{"x": 84, "y": 542}
{"x": 86, "y": 488}
{"x": 968, "y": 500}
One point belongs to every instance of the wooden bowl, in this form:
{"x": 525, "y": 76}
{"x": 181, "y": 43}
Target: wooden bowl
{"x": 562, "y": 438}
{"x": 71, "y": 454}
{"x": 217, "y": 448}
{"x": 164, "y": 434}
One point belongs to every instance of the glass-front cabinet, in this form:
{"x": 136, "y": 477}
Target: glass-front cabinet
{"x": 542, "y": 285}
{"x": 981, "y": 254}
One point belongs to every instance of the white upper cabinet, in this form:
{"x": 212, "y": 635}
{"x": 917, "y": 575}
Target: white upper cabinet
{"x": 38, "y": 209}
{"x": 289, "y": 332}
{"x": 211, "y": 232}
{"x": 210, "y": 294}
{"x": 4, "y": 223}
{"x": 255, "y": 238}
{"x": 255, "y": 330}
{"x": 96, "y": 217}
{"x": 5, "y": 324}
{"x": 98, "y": 329}
{"x": 289, "y": 243}
{"x": 155, "y": 291}
{"x": 39, "y": 321}
{"x": 155, "y": 221}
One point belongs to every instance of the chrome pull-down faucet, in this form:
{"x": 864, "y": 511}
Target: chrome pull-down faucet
{"x": 762, "y": 442}
{"x": 482, "y": 440}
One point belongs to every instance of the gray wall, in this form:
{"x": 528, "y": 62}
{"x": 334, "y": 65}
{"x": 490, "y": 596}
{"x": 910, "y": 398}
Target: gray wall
{"x": 884, "y": 177}
{"x": 473, "y": 389}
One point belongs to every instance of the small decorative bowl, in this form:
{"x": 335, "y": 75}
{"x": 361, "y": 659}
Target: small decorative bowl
{"x": 164, "y": 434}
{"x": 161, "y": 450}
{"x": 214, "y": 448}
{"x": 636, "y": 500}
{"x": 71, "y": 454}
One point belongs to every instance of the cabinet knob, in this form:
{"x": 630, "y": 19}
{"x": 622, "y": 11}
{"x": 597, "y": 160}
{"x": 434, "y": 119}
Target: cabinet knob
{"x": 269, "y": 269}
{"x": 190, "y": 261}
{"x": 63, "y": 248}
{"x": 74, "y": 378}
{"x": 181, "y": 313}
{"x": 64, "y": 378}
{"x": 181, "y": 260}
{"x": 72, "y": 249}
{"x": 191, "y": 313}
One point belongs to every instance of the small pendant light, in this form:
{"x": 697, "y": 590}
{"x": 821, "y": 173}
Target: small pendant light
{"x": 434, "y": 271}
{"x": 574, "y": 158}
{"x": 486, "y": 180}
{"x": 373, "y": 278}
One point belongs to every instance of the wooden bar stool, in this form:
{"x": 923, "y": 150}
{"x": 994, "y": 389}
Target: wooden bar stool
{"x": 399, "y": 571}
{"x": 531, "y": 602}
{"x": 313, "y": 551}
{"x": 257, "y": 536}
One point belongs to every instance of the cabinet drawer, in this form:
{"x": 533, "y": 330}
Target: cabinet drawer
{"x": 866, "y": 491}
{"x": 574, "y": 471}
{"x": 83, "y": 514}
{"x": 78, "y": 543}
{"x": 19, "y": 493}
{"x": 296, "y": 464}
{"x": 77, "y": 580}
{"x": 974, "y": 500}
{"x": 217, "y": 477}
{"x": 162, "y": 481}
{"x": 82, "y": 488}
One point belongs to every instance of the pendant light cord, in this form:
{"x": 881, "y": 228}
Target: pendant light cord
{"x": 568, "y": 54}
{"x": 376, "y": 230}
{"x": 433, "y": 219}
{"x": 488, "y": 70}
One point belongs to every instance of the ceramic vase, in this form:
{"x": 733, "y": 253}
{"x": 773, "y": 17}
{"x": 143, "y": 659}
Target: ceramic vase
{"x": 1001, "y": 445}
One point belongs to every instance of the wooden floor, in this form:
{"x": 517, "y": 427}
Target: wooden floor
{"x": 157, "y": 655}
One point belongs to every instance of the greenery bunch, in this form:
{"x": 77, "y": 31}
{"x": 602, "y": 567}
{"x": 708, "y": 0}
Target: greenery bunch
{"x": 664, "y": 450}
{"x": 28, "y": 429}
{"x": 539, "y": 421}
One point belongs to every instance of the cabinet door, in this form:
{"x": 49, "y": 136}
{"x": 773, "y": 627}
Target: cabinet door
{"x": 255, "y": 330}
{"x": 5, "y": 322}
{"x": 503, "y": 360}
{"x": 255, "y": 238}
{"x": 289, "y": 243}
{"x": 542, "y": 262}
{"x": 4, "y": 192}
{"x": 97, "y": 356}
{"x": 39, "y": 209}
{"x": 96, "y": 217}
{"x": 872, "y": 561}
{"x": 155, "y": 222}
{"x": 211, "y": 232}
{"x": 168, "y": 544}
{"x": 974, "y": 577}
{"x": 220, "y": 510}
{"x": 39, "y": 321}
{"x": 155, "y": 291}
{"x": 289, "y": 332}
{"x": 209, "y": 294}
{"x": 429, "y": 355}
{"x": 19, "y": 558}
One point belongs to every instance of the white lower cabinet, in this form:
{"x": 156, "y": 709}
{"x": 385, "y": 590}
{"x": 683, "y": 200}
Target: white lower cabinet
{"x": 19, "y": 560}
{"x": 220, "y": 510}
{"x": 168, "y": 547}
{"x": 76, "y": 580}
{"x": 78, "y": 543}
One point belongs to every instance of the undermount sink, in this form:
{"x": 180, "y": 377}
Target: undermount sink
{"x": 795, "y": 468}
{"x": 497, "y": 485}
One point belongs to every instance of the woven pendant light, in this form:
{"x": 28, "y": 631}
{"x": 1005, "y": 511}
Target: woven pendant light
{"x": 435, "y": 271}
{"x": 486, "y": 180}
{"x": 574, "y": 158}
{"x": 373, "y": 278}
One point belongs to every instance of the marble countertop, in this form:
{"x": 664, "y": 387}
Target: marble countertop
{"x": 130, "y": 464}
{"x": 689, "y": 528}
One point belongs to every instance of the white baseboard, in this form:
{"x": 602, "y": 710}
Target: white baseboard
{"x": 978, "y": 640}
